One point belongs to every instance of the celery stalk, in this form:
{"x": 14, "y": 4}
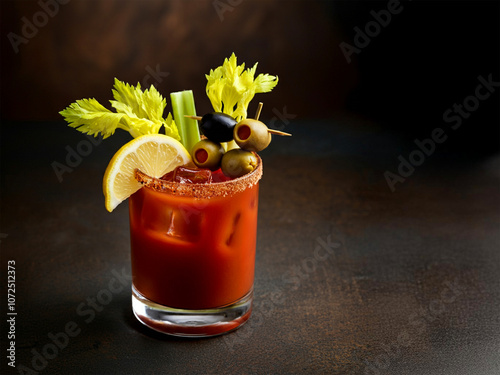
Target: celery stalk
{"x": 183, "y": 104}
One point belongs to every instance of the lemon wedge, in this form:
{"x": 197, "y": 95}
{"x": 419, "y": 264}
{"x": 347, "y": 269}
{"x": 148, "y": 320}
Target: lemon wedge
{"x": 153, "y": 154}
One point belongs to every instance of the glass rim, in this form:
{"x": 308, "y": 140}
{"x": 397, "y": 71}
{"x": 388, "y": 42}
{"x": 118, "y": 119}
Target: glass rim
{"x": 200, "y": 190}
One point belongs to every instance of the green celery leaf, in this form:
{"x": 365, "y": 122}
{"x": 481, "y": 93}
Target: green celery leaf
{"x": 265, "y": 83}
{"x": 90, "y": 117}
{"x": 141, "y": 126}
{"x": 147, "y": 104}
{"x": 130, "y": 97}
{"x": 171, "y": 128}
{"x": 230, "y": 87}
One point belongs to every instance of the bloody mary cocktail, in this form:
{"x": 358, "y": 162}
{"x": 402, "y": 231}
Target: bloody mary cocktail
{"x": 193, "y": 190}
{"x": 193, "y": 252}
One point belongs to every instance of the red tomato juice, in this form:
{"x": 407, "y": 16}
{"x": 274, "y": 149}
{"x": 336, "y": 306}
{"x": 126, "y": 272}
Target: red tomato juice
{"x": 193, "y": 253}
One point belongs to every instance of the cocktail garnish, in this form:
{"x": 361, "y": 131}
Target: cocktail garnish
{"x": 207, "y": 154}
{"x": 249, "y": 135}
{"x": 217, "y": 126}
{"x": 138, "y": 112}
{"x": 238, "y": 162}
{"x": 230, "y": 88}
{"x": 153, "y": 154}
{"x": 182, "y": 105}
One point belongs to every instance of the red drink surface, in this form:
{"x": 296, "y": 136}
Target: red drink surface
{"x": 192, "y": 253}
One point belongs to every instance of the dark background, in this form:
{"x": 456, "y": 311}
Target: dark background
{"x": 350, "y": 122}
{"x": 426, "y": 59}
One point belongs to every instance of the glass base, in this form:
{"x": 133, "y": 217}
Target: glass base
{"x": 191, "y": 323}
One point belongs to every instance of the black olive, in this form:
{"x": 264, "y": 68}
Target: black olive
{"x": 217, "y": 127}
{"x": 238, "y": 162}
{"x": 251, "y": 135}
{"x": 207, "y": 154}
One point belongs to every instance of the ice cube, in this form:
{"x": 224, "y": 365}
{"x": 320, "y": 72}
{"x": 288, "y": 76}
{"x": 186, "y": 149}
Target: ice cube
{"x": 169, "y": 176}
{"x": 185, "y": 223}
{"x": 156, "y": 218}
{"x": 192, "y": 175}
{"x": 236, "y": 219}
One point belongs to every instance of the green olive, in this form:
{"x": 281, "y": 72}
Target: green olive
{"x": 251, "y": 135}
{"x": 238, "y": 162}
{"x": 207, "y": 154}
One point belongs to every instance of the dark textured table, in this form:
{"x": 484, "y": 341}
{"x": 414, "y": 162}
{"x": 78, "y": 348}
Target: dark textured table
{"x": 351, "y": 277}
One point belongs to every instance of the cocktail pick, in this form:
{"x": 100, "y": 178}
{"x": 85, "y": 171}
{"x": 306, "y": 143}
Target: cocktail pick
{"x": 257, "y": 115}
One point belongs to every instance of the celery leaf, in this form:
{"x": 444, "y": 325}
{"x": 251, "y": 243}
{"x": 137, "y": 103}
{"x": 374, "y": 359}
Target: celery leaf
{"x": 230, "y": 87}
{"x": 138, "y": 112}
{"x": 90, "y": 117}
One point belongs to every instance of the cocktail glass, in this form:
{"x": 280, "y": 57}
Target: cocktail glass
{"x": 193, "y": 254}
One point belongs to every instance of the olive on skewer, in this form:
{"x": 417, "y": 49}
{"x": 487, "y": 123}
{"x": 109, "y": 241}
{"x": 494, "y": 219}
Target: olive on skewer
{"x": 220, "y": 127}
{"x": 238, "y": 162}
{"x": 207, "y": 154}
{"x": 217, "y": 127}
{"x": 252, "y": 135}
